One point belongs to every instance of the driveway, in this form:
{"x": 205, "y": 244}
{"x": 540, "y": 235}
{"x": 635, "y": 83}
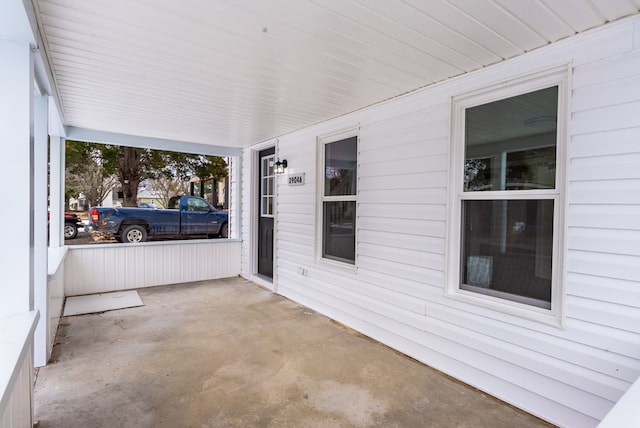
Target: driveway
{"x": 228, "y": 353}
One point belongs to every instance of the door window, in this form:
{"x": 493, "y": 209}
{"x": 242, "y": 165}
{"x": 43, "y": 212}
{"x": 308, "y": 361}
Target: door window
{"x": 267, "y": 179}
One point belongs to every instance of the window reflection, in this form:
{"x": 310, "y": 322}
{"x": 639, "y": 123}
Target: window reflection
{"x": 511, "y": 144}
{"x": 341, "y": 160}
{"x": 531, "y": 169}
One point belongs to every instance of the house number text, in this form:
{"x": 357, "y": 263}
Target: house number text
{"x": 296, "y": 179}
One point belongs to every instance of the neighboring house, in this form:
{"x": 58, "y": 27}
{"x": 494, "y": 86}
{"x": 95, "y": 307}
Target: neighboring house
{"x": 527, "y": 288}
{"x": 79, "y": 204}
{"x": 111, "y": 198}
{"x": 114, "y": 198}
{"x": 151, "y": 198}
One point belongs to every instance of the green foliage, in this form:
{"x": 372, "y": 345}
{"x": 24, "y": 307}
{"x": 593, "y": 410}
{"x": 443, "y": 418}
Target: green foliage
{"x": 85, "y": 173}
{"x": 131, "y": 165}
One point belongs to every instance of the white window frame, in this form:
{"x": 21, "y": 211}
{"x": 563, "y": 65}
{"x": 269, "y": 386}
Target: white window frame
{"x": 557, "y": 76}
{"x": 271, "y": 159}
{"x": 321, "y": 198}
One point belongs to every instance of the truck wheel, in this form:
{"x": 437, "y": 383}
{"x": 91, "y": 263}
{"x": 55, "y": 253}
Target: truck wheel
{"x": 133, "y": 233}
{"x": 70, "y": 231}
{"x": 224, "y": 231}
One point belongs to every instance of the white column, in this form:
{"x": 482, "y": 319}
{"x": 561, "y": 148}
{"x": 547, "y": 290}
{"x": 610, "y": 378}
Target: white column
{"x": 235, "y": 196}
{"x": 16, "y": 169}
{"x": 41, "y": 130}
{"x": 56, "y": 191}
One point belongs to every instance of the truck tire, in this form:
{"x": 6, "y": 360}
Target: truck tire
{"x": 133, "y": 233}
{"x": 224, "y": 231}
{"x": 70, "y": 231}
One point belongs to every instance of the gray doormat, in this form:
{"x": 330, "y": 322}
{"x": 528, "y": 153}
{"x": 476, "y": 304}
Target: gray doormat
{"x": 78, "y": 305}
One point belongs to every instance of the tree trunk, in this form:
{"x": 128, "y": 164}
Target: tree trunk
{"x": 129, "y": 175}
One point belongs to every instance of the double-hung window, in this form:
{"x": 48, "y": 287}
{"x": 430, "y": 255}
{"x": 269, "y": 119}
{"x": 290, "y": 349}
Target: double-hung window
{"x": 507, "y": 177}
{"x": 339, "y": 195}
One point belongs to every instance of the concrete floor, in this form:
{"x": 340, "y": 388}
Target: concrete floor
{"x": 229, "y": 353}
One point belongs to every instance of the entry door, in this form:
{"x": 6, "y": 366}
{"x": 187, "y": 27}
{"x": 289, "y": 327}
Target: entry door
{"x": 266, "y": 207}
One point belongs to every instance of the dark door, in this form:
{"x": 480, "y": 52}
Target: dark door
{"x": 266, "y": 186}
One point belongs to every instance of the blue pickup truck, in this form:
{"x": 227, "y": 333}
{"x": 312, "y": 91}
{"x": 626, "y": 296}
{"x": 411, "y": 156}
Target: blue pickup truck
{"x": 186, "y": 216}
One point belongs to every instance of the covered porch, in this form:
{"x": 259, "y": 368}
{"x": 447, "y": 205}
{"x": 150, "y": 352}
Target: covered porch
{"x": 284, "y": 80}
{"x": 230, "y": 353}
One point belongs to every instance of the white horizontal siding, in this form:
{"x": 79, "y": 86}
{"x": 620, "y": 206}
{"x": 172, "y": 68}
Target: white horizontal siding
{"x": 402, "y": 256}
{"x": 609, "y": 192}
{"x": 400, "y": 239}
{"x": 608, "y": 118}
{"x": 603, "y": 265}
{"x": 625, "y": 318}
{"x": 103, "y": 268}
{"x": 570, "y": 375}
{"x": 407, "y": 211}
{"x": 622, "y": 292}
{"x": 435, "y": 179}
{"x": 616, "y": 167}
{"x": 555, "y": 346}
{"x": 609, "y": 93}
{"x": 609, "y": 216}
{"x": 413, "y": 165}
{"x": 428, "y": 228}
{"x": 418, "y": 274}
{"x": 602, "y": 240}
{"x": 422, "y": 289}
{"x": 608, "y": 68}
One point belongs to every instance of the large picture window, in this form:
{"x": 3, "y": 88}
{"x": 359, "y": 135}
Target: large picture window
{"x": 133, "y": 195}
{"x": 339, "y": 199}
{"x": 507, "y": 169}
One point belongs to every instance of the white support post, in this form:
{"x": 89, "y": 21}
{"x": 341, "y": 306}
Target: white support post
{"x": 16, "y": 171}
{"x": 56, "y": 192}
{"x": 233, "y": 193}
{"x": 41, "y": 130}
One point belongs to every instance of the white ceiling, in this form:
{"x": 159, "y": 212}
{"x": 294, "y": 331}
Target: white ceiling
{"x": 236, "y": 72}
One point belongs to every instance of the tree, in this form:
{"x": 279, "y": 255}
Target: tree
{"x": 166, "y": 187}
{"x": 130, "y": 165}
{"x": 208, "y": 168}
{"x": 133, "y": 165}
{"x": 85, "y": 173}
